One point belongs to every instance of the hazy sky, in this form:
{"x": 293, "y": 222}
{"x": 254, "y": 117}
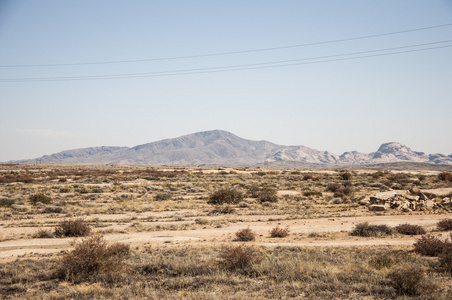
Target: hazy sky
{"x": 322, "y": 74}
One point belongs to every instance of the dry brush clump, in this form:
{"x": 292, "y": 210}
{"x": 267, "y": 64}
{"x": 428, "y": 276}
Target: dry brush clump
{"x": 430, "y": 245}
{"x": 367, "y": 230}
{"x": 92, "y": 256}
{"x": 444, "y": 225}
{"x": 408, "y": 280}
{"x": 225, "y": 196}
{"x": 279, "y": 232}
{"x": 245, "y": 235}
{"x": 409, "y": 229}
{"x": 40, "y": 198}
{"x": 239, "y": 257}
{"x": 72, "y": 228}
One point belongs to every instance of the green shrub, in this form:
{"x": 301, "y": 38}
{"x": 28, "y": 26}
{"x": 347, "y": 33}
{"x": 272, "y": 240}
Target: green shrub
{"x": 227, "y": 195}
{"x": 239, "y": 257}
{"x": 366, "y": 230}
{"x": 444, "y": 225}
{"x": 279, "y": 232}
{"x": 72, "y": 228}
{"x": 408, "y": 229}
{"x": 245, "y": 235}
{"x": 92, "y": 256}
{"x": 34, "y": 199}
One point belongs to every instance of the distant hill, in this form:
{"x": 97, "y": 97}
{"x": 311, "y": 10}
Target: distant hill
{"x": 223, "y": 148}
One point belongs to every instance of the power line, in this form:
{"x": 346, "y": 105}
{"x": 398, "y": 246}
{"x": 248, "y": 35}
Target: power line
{"x": 274, "y": 64}
{"x": 227, "y": 53}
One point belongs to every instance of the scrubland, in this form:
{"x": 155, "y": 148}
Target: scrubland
{"x": 140, "y": 232}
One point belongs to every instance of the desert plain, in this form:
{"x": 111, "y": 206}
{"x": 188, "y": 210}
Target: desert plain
{"x": 223, "y": 233}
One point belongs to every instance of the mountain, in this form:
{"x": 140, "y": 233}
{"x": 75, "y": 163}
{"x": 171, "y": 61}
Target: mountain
{"x": 219, "y": 147}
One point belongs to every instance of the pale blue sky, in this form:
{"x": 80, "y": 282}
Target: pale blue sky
{"x": 339, "y": 105}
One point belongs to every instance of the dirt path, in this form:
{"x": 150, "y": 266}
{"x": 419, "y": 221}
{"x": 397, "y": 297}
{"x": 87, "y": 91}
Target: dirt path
{"x": 303, "y": 232}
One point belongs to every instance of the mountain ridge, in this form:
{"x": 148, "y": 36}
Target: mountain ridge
{"x": 218, "y": 147}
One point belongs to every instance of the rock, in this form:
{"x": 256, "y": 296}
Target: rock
{"x": 376, "y": 207}
{"x": 375, "y": 200}
{"x": 364, "y": 202}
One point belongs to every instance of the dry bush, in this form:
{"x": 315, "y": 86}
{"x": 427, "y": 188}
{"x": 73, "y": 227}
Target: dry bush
{"x": 34, "y": 199}
{"x": 445, "y": 258}
{"x": 444, "y": 225}
{"x": 346, "y": 175}
{"x": 408, "y": 229}
{"x": 43, "y": 234}
{"x": 72, "y": 228}
{"x": 445, "y": 176}
{"x": 267, "y": 195}
{"x": 162, "y": 196}
{"x": 408, "y": 280}
{"x": 5, "y": 202}
{"x": 239, "y": 257}
{"x": 382, "y": 261}
{"x": 367, "y": 230}
{"x": 227, "y": 195}
{"x": 311, "y": 193}
{"x": 222, "y": 210}
{"x": 92, "y": 256}
{"x": 430, "y": 245}
{"x": 245, "y": 235}
{"x": 279, "y": 232}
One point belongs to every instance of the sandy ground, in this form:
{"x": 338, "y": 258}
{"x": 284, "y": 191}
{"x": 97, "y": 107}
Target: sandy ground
{"x": 303, "y": 232}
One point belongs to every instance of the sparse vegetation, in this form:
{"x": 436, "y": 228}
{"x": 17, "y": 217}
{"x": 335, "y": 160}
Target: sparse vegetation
{"x": 444, "y": 225}
{"x": 409, "y": 229}
{"x": 227, "y": 195}
{"x": 367, "y": 230}
{"x": 72, "y": 228}
{"x": 92, "y": 256}
{"x": 245, "y": 235}
{"x": 40, "y": 198}
{"x": 178, "y": 241}
{"x": 279, "y": 232}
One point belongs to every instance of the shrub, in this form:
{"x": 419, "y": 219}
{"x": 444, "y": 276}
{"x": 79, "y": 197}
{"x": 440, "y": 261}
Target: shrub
{"x": 267, "y": 195}
{"x": 162, "y": 196}
{"x": 308, "y": 176}
{"x": 92, "y": 256}
{"x": 445, "y": 258}
{"x": 245, "y": 235}
{"x": 5, "y": 202}
{"x": 222, "y": 210}
{"x": 445, "y": 176}
{"x": 239, "y": 257}
{"x": 409, "y": 229}
{"x": 226, "y": 195}
{"x": 34, "y": 199}
{"x": 444, "y": 225}
{"x": 429, "y": 245}
{"x": 43, "y": 234}
{"x": 407, "y": 281}
{"x": 312, "y": 193}
{"x": 382, "y": 261}
{"x": 346, "y": 175}
{"x": 72, "y": 228}
{"x": 279, "y": 232}
{"x": 366, "y": 230}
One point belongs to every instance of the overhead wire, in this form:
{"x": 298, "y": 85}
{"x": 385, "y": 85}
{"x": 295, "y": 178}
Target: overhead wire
{"x": 263, "y": 65}
{"x": 225, "y": 53}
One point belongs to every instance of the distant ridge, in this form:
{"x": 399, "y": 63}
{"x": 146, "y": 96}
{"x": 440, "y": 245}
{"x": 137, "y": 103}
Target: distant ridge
{"x": 222, "y": 148}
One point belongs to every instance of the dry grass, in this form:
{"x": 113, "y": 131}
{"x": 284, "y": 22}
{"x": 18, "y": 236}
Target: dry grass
{"x": 129, "y": 199}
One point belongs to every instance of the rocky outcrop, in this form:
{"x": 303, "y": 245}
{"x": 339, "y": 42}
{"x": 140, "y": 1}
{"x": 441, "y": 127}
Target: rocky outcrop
{"x": 401, "y": 202}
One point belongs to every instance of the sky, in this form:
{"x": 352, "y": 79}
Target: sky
{"x": 330, "y": 75}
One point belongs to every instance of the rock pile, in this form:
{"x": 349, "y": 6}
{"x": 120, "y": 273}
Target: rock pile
{"x": 400, "y": 202}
